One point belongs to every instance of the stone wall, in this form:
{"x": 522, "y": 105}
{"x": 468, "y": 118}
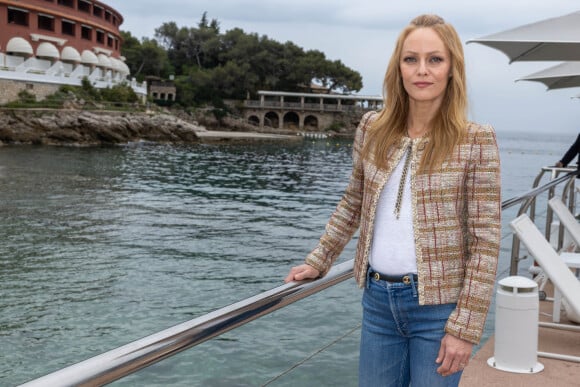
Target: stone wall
{"x": 324, "y": 119}
{"x": 9, "y": 90}
{"x": 163, "y": 91}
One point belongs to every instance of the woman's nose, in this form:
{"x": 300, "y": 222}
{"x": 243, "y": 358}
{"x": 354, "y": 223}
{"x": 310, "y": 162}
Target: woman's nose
{"x": 422, "y": 67}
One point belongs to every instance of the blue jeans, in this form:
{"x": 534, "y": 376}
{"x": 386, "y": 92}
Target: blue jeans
{"x": 400, "y": 339}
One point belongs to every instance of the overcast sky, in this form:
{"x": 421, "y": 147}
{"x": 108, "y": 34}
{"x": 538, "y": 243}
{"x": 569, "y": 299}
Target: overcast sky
{"x": 362, "y": 34}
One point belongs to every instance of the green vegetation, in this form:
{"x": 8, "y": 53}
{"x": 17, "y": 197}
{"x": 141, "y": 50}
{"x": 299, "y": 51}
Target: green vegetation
{"x": 336, "y": 126}
{"x": 86, "y": 96}
{"x": 211, "y": 66}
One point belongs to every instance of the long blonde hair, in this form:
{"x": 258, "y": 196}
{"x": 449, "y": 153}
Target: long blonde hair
{"x": 447, "y": 126}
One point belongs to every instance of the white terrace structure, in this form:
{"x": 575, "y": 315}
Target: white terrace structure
{"x": 43, "y": 74}
{"x": 48, "y": 43}
{"x": 306, "y": 111}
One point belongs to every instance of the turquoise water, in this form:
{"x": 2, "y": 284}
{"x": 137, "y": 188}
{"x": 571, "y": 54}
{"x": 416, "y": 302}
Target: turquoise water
{"x": 102, "y": 246}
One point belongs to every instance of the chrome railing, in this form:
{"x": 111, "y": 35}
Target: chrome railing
{"x": 528, "y": 202}
{"x": 117, "y": 363}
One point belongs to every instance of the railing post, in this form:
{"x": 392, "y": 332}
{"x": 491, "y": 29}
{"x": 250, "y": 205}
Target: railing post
{"x": 515, "y": 257}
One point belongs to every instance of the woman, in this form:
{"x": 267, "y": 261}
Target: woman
{"x": 425, "y": 192}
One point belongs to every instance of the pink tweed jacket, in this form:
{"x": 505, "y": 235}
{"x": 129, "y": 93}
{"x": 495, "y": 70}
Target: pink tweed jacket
{"x": 456, "y": 216}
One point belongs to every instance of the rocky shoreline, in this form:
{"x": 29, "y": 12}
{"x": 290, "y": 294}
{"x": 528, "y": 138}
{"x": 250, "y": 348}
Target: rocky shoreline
{"x": 72, "y": 127}
{"x": 93, "y": 128}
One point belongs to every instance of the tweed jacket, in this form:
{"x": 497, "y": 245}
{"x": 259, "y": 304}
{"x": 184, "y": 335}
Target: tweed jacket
{"x": 456, "y": 219}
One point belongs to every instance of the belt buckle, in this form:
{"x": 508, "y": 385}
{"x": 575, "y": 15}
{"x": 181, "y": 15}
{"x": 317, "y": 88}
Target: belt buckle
{"x": 406, "y": 279}
{"x": 377, "y": 276}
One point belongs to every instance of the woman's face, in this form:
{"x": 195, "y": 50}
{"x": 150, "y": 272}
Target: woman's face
{"x": 425, "y": 66}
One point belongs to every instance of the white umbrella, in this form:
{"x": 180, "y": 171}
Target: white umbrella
{"x": 547, "y": 40}
{"x": 561, "y": 76}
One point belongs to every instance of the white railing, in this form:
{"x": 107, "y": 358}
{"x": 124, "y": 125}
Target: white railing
{"x": 305, "y": 106}
{"x": 35, "y": 70}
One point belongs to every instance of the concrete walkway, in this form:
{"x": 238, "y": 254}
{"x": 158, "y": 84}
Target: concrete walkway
{"x": 216, "y": 136}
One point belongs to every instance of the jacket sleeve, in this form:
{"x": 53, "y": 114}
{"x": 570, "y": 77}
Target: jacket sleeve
{"x": 572, "y": 152}
{"x": 346, "y": 218}
{"x": 482, "y": 237}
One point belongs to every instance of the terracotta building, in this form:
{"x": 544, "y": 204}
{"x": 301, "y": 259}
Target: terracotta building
{"x": 47, "y": 43}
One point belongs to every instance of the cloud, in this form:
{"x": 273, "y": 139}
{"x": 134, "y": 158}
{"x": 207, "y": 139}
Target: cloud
{"x": 362, "y": 33}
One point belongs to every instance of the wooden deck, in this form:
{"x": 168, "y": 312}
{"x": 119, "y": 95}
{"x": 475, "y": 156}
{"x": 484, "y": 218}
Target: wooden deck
{"x": 556, "y": 373}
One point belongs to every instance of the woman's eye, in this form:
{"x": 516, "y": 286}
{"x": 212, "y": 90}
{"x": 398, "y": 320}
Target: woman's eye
{"x": 436, "y": 59}
{"x": 409, "y": 59}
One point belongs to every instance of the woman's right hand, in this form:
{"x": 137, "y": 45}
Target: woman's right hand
{"x": 301, "y": 272}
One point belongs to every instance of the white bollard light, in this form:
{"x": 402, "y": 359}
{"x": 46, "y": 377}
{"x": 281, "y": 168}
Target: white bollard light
{"x": 516, "y": 326}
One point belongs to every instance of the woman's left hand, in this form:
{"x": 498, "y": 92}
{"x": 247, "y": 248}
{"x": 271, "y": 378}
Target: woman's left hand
{"x": 454, "y": 354}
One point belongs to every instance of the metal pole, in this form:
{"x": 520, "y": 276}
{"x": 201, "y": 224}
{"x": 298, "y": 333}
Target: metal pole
{"x": 122, "y": 361}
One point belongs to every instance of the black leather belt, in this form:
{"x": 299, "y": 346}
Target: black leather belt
{"x": 406, "y": 279}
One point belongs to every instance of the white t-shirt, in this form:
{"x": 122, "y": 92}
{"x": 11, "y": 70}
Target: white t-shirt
{"x": 393, "y": 246}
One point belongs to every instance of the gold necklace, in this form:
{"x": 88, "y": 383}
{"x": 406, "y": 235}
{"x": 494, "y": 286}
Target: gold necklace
{"x": 408, "y": 153}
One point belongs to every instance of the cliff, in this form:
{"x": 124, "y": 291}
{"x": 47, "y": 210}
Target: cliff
{"x": 84, "y": 128}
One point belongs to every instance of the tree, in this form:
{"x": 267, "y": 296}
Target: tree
{"x": 339, "y": 77}
{"x": 310, "y": 67}
{"x": 211, "y": 66}
{"x": 166, "y": 35}
{"x": 195, "y": 88}
{"x": 185, "y": 45}
{"x": 154, "y": 60}
{"x": 145, "y": 58}
{"x": 234, "y": 80}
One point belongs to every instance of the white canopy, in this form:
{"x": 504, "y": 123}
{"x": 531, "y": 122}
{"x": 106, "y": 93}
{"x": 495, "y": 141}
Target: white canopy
{"x": 561, "y": 76}
{"x": 555, "y": 39}
{"x": 87, "y": 57}
{"x": 119, "y": 66}
{"x": 124, "y": 68}
{"x": 115, "y": 64}
{"x": 70, "y": 54}
{"x": 19, "y": 45}
{"x": 47, "y": 50}
{"x": 104, "y": 61}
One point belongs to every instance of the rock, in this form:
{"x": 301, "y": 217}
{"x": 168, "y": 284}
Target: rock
{"x": 73, "y": 127}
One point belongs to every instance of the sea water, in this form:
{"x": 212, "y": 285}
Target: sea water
{"x": 103, "y": 246}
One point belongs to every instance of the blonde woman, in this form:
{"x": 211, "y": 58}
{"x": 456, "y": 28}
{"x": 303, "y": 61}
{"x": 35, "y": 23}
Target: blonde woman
{"x": 425, "y": 193}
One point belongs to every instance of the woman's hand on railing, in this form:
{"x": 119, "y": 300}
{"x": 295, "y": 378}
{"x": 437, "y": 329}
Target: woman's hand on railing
{"x": 301, "y": 272}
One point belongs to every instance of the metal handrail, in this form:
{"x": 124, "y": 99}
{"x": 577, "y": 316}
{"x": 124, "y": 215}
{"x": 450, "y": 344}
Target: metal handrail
{"x": 119, "y": 362}
{"x": 531, "y": 195}
{"x": 528, "y": 201}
